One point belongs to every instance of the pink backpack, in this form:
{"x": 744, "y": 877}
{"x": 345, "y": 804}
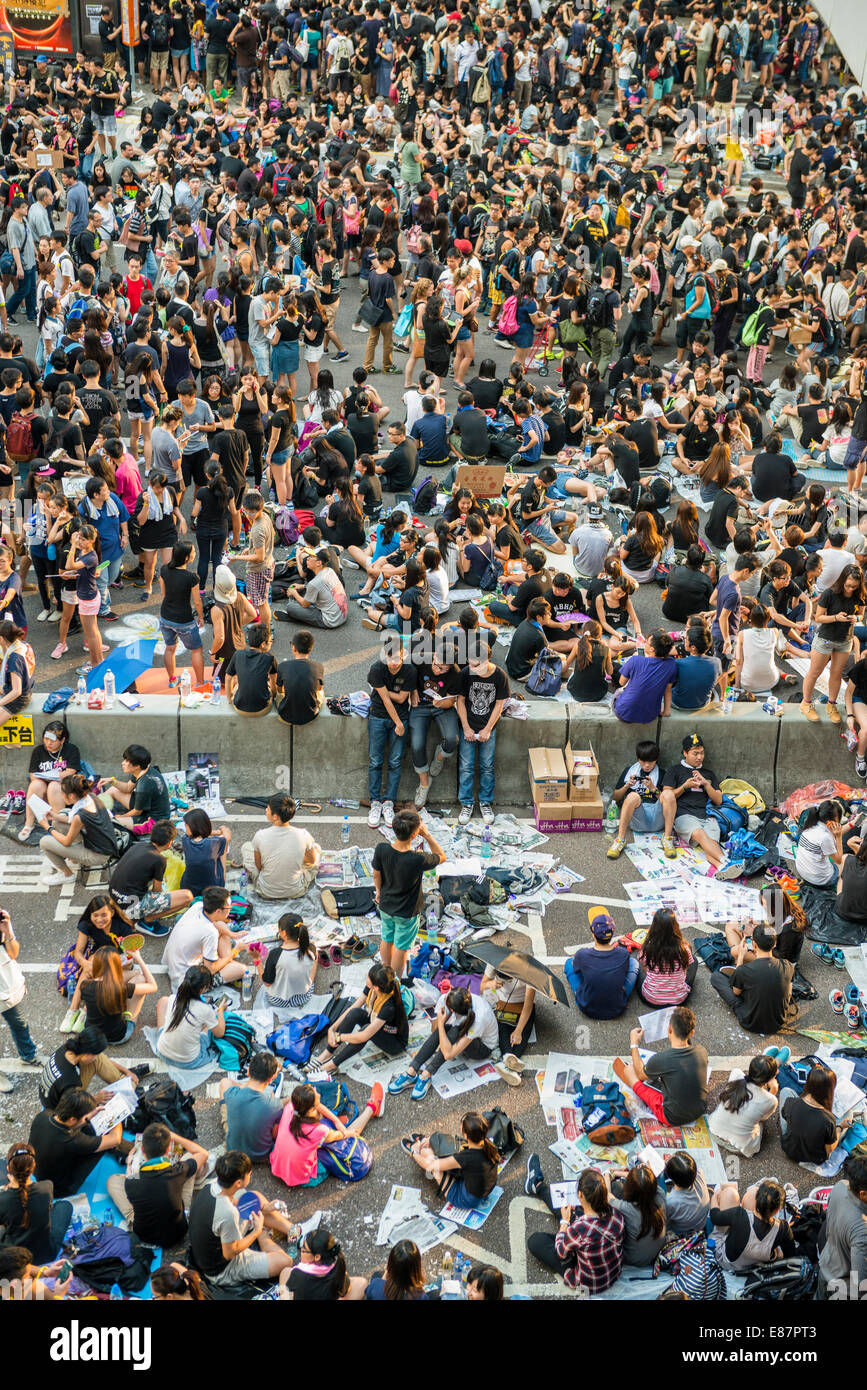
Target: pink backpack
{"x": 507, "y": 324}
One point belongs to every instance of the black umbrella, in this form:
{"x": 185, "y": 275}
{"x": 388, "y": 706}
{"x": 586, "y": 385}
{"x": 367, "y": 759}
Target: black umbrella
{"x": 518, "y": 965}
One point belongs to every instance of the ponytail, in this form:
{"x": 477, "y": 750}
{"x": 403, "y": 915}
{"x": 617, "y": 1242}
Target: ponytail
{"x": 75, "y": 784}
{"x": 475, "y": 1128}
{"x": 590, "y": 633}
{"x": 20, "y": 1165}
{"x": 296, "y": 931}
{"x": 460, "y": 1001}
{"x": 592, "y": 1188}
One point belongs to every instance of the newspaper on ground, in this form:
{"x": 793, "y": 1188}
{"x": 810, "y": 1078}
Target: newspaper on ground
{"x": 473, "y": 1218}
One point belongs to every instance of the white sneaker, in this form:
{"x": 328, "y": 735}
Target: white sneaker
{"x": 41, "y": 617}
{"x": 6, "y": 1085}
{"x": 420, "y": 798}
{"x": 466, "y": 815}
{"x": 487, "y": 813}
{"x": 511, "y": 1078}
{"x": 54, "y": 616}
{"x": 388, "y": 813}
{"x": 52, "y": 879}
{"x": 374, "y": 815}
{"x": 358, "y": 328}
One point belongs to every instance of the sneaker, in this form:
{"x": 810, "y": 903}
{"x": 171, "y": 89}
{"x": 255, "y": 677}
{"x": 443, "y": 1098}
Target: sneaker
{"x": 439, "y": 762}
{"x": 19, "y": 804}
{"x": 402, "y": 1082}
{"x": 156, "y": 929}
{"x": 487, "y": 813}
{"x": 733, "y": 869}
{"x": 55, "y": 615}
{"x": 109, "y": 617}
{"x": 392, "y": 370}
{"x": 38, "y": 1060}
{"x": 511, "y": 1078}
{"x": 673, "y": 365}
{"x": 341, "y": 356}
{"x": 7, "y": 1085}
{"x": 43, "y": 616}
{"x": 347, "y": 563}
{"x": 141, "y": 1070}
{"x": 52, "y": 880}
{"x": 466, "y": 815}
{"x": 388, "y": 813}
{"x": 7, "y": 803}
{"x": 60, "y": 650}
{"x": 669, "y": 848}
{"x": 809, "y": 712}
{"x": 424, "y": 1083}
{"x": 617, "y": 848}
{"x": 513, "y": 1063}
{"x": 376, "y": 1099}
{"x": 837, "y": 1000}
{"x": 357, "y": 328}
{"x": 535, "y": 1177}
{"x": 420, "y": 798}
{"x": 861, "y": 767}
{"x": 374, "y": 815}
{"x": 84, "y": 670}
{"x": 853, "y": 1019}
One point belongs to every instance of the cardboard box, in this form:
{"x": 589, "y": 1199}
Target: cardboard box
{"x": 548, "y": 778}
{"x": 587, "y": 815}
{"x": 553, "y": 817}
{"x": 582, "y": 770}
{"x": 46, "y": 159}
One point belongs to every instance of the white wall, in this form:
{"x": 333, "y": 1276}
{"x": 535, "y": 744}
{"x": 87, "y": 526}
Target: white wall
{"x": 847, "y": 20}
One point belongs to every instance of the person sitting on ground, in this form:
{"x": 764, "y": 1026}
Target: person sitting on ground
{"x": 83, "y": 835}
{"x": 305, "y": 1125}
{"x": 204, "y": 852}
{"x": 844, "y": 1250}
{"x": 288, "y": 971}
{"x": 819, "y": 850}
{"x": 398, "y": 870}
{"x": 668, "y": 969}
{"x": 759, "y": 991}
{"x": 809, "y": 1132}
{"x": 745, "y": 1103}
{"x": 19, "y": 1267}
{"x": 603, "y": 974}
{"x": 698, "y": 673}
{"x": 230, "y": 1249}
{"x": 514, "y": 1003}
{"x": 154, "y": 1199}
{"x": 136, "y": 882}
{"x": 789, "y": 921}
{"x": 28, "y": 1210}
{"x": 185, "y": 1040}
{"x": 403, "y": 1280}
{"x": 250, "y": 1110}
{"x": 464, "y": 1178}
{"x": 321, "y": 1271}
{"x": 174, "y": 1283}
{"x": 145, "y": 797}
{"x": 636, "y": 792}
{"x": 646, "y": 681}
{"x": 113, "y": 1000}
{"x": 686, "y": 789}
{"x": 637, "y": 1195}
{"x": 755, "y": 1233}
{"x": 55, "y": 756}
{"x": 588, "y": 1248}
{"x": 203, "y": 936}
{"x": 74, "y": 1064}
{"x": 464, "y": 1025}
{"x": 281, "y": 860}
{"x": 65, "y": 1154}
{"x": 378, "y": 1012}
{"x": 687, "y": 1198}
{"x": 680, "y": 1098}
{"x": 251, "y": 673}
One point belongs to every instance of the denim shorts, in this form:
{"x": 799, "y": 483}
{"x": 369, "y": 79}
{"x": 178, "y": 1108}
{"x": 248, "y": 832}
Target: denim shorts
{"x": 188, "y": 632}
{"x": 827, "y": 648}
{"x": 648, "y": 818}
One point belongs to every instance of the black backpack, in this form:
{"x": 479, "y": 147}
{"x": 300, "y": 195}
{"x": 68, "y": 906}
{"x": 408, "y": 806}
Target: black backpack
{"x": 597, "y": 308}
{"x": 425, "y": 495}
{"x": 159, "y": 28}
{"x": 164, "y": 1103}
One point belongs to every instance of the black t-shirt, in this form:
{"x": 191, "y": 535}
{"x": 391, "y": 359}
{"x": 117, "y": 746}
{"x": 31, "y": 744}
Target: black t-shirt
{"x": 150, "y": 800}
{"x": 681, "y": 1074}
{"x": 810, "y": 1131}
{"x": 481, "y": 693}
{"x": 766, "y": 1002}
{"x": 307, "y": 1287}
{"x": 443, "y": 683}
{"x": 562, "y": 604}
{"x": 626, "y": 460}
{"x": 400, "y": 894}
{"x": 63, "y": 1156}
{"x": 724, "y": 505}
{"x": 772, "y": 476}
{"x": 637, "y": 558}
{"x": 399, "y": 467}
{"x": 302, "y": 682}
{"x": 252, "y": 669}
{"x": 98, "y": 937}
{"x": 112, "y": 1025}
{"x": 231, "y": 448}
{"x": 471, "y": 427}
{"x": 51, "y": 766}
{"x": 136, "y": 870}
{"x": 158, "y": 1204}
{"x": 643, "y": 433}
{"x": 176, "y": 607}
{"x": 58, "y": 1075}
{"x": 98, "y": 404}
{"x": 402, "y": 681}
{"x": 813, "y": 425}
{"x": 527, "y": 641}
{"x": 485, "y": 392}
{"x": 833, "y": 604}
{"x": 478, "y": 1172}
{"x": 528, "y": 589}
{"x": 697, "y": 443}
{"x": 852, "y": 902}
{"x": 689, "y": 592}
{"x": 693, "y": 802}
{"x": 36, "y": 1235}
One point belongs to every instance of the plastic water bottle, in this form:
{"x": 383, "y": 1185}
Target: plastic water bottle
{"x": 729, "y": 701}
{"x": 612, "y": 818}
{"x": 448, "y": 1265}
{"x": 216, "y": 688}
{"x": 185, "y": 686}
{"x": 432, "y": 926}
{"x": 435, "y": 961}
{"x": 243, "y": 880}
{"x": 247, "y": 987}
{"x": 344, "y": 831}
{"x": 486, "y": 843}
{"x": 81, "y": 691}
{"x": 108, "y": 686}
{"x": 108, "y": 1217}
{"x": 424, "y": 972}
{"x": 588, "y": 452}
{"x": 116, "y": 1293}
{"x": 345, "y": 803}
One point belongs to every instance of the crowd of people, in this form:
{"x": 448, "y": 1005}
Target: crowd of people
{"x": 580, "y": 188}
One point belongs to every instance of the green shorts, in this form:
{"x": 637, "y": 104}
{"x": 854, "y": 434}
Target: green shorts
{"x": 399, "y": 932}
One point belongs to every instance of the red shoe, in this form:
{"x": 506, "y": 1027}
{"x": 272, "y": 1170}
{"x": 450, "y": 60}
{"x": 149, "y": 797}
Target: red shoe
{"x": 376, "y": 1099}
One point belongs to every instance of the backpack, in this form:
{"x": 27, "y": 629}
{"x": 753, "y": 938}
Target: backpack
{"x": 783, "y": 1280}
{"x": 286, "y": 526}
{"x": 79, "y": 307}
{"x": 413, "y": 239}
{"x": 19, "y": 439}
{"x": 729, "y": 816}
{"x": 237, "y": 1045}
{"x": 336, "y": 1098}
{"x": 294, "y": 1040}
{"x": 348, "y": 1159}
{"x": 491, "y": 575}
{"x": 159, "y": 27}
{"x": 496, "y": 69}
{"x": 604, "y": 1115}
{"x": 751, "y": 329}
{"x": 481, "y": 93}
{"x": 597, "y": 308}
{"x": 507, "y": 324}
{"x": 744, "y": 794}
{"x": 546, "y": 676}
{"x": 343, "y": 51}
{"x": 280, "y": 179}
{"x": 164, "y": 1103}
{"x": 424, "y": 496}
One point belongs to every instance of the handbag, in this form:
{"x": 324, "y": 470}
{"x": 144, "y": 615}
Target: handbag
{"x": 371, "y": 314}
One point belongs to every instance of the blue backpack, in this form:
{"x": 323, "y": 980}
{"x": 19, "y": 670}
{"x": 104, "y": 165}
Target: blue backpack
{"x": 349, "y": 1159}
{"x": 546, "y": 676}
{"x": 728, "y": 815}
{"x": 336, "y": 1098}
{"x": 604, "y": 1114}
{"x": 294, "y": 1040}
{"x": 237, "y": 1045}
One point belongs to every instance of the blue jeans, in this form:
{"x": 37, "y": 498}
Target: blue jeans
{"x": 103, "y": 581}
{"x": 24, "y": 1044}
{"x": 27, "y": 291}
{"x": 467, "y": 767}
{"x": 382, "y": 741}
{"x": 420, "y": 721}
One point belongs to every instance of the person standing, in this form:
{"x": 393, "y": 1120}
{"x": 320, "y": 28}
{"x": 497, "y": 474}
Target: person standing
{"x": 259, "y": 555}
{"x": 484, "y": 691}
{"x": 20, "y": 244}
{"x": 12, "y": 991}
{"x": 380, "y": 306}
{"x": 398, "y": 870}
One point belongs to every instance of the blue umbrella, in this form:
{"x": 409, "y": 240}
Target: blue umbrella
{"x": 127, "y": 661}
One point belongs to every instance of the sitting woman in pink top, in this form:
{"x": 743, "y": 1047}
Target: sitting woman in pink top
{"x": 668, "y": 968}
{"x": 305, "y": 1125}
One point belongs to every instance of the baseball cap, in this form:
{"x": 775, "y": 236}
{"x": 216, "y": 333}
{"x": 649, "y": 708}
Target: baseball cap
{"x": 594, "y": 513}
{"x": 465, "y": 247}
{"x": 602, "y": 924}
{"x": 688, "y": 241}
{"x": 718, "y": 265}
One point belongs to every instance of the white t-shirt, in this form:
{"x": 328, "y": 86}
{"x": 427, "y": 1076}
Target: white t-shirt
{"x": 484, "y": 1026}
{"x": 812, "y": 855}
{"x": 182, "y": 1044}
{"x": 742, "y": 1130}
{"x": 438, "y": 589}
{"x": 194, "y": 938}
{"x": 833, "y": 564}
